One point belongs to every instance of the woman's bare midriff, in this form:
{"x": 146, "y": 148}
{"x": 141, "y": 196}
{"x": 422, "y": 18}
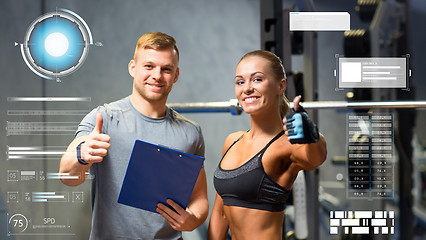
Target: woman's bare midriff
{"x": 246, "y": 223}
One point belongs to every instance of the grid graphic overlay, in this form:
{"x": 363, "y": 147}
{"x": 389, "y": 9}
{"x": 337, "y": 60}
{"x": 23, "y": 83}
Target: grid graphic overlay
{"x": 370, "y": 156}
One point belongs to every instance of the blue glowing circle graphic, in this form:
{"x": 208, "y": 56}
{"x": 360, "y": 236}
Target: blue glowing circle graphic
{"x": 56, "y": 44}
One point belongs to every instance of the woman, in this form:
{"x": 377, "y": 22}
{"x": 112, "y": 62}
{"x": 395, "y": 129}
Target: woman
{"x": 258, "y": 167}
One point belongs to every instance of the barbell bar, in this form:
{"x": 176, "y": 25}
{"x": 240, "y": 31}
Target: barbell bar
{"x": 234, "y": 108}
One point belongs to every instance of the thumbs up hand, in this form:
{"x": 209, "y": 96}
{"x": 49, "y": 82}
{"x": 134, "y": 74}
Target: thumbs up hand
{"x": 298, "y": 126}
{"x": 96, "y": 146}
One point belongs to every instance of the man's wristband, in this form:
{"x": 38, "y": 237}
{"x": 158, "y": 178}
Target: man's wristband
{"x": 81, "y": 161}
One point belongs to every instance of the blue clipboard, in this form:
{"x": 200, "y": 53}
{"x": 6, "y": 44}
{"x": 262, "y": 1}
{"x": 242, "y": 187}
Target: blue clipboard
{"x": 156, "y": 173}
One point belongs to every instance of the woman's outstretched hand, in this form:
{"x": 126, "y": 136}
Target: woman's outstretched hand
{"x": 298, "y": 126}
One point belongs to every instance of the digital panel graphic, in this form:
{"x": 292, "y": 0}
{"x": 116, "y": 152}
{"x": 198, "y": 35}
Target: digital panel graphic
{"x": 362, "y": 222}
{"x": 56, "y": 44}
{"x": 376, "y": 72}
{"x": 370, "y": 156}
{"x": 20, "y": 224}
{"x": 38, "y": 130}
{"x": 319, "y": 21}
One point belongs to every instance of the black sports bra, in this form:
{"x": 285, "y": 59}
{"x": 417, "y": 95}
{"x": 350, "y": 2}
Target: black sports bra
{"x": 249, "y": 186}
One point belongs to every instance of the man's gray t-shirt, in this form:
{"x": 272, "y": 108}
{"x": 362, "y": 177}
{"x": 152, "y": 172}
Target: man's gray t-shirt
{"x": 124, "y": 124}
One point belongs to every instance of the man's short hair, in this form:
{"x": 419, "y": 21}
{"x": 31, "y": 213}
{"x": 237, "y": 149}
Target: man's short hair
{"x": 156, "y": 41}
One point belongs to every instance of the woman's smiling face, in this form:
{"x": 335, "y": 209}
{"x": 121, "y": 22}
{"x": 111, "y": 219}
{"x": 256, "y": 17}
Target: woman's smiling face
{"x": 255, "y": 86}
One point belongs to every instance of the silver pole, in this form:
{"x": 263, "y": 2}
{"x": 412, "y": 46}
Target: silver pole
{"x": 344, "y": 105}
{"x": 233, "y": 107}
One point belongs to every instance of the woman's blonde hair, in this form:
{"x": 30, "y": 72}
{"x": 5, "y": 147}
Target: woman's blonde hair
{"x": 278, "y": 72}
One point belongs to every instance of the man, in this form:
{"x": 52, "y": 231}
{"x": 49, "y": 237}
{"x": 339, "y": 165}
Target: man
{"x": 105, "y": 138}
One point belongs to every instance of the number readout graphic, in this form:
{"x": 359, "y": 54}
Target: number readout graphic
{"x": 370, "y": 156}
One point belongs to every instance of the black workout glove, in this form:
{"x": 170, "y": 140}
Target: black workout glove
{"x": 300, "y": 127}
